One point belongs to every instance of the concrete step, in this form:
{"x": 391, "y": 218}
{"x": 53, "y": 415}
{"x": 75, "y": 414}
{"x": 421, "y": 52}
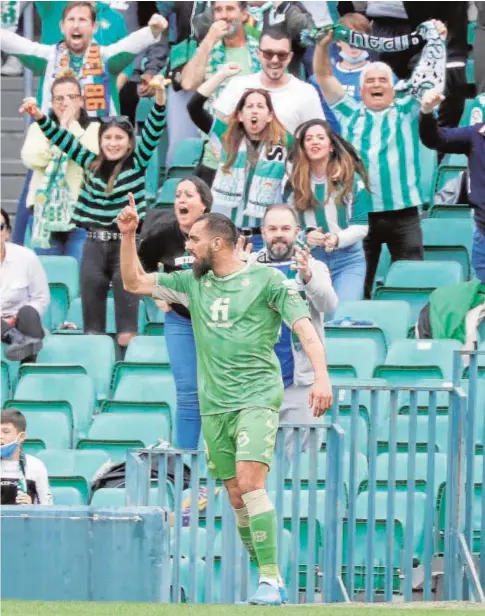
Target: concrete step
{"x": 9, "y": 205}
{"x": 12, "y": 186}
{"x": 11, "y": 144}
{"x": 15, "y": 84}
{"x": 13, "y": 124}
{"x": 12, "y": 167}
{"x": 11, "y": 101}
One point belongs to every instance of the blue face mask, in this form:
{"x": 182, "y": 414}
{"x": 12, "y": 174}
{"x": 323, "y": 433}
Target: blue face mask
{"x": 7, "y": 451}
{"x": 363, "y": 56}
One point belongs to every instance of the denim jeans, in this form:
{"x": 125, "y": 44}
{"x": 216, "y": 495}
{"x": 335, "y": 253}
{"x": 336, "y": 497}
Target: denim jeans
{"x": 347, "y": 269}
{"x": 22, "y": 215}
{"x": 478, "y": 254}
{"x": 181, "y": 350}
{"x": 68, "y": 244}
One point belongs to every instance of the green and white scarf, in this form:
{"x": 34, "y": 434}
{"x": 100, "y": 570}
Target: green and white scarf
{"x": 93, "y": 75}
{"x": 218, "y": 59}
{"x": 53, "y": 202}
{"x": 431, "y": 69}
{"x": 255, "y": 186}
{"x": 10, "y": 15}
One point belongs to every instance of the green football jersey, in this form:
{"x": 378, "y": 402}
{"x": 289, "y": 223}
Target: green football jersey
{"x": 236, "y": 321}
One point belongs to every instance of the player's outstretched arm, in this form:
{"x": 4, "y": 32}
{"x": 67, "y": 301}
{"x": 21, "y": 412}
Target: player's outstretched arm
{"x": 135, "y": 279}
{"x": 321, "y": 397}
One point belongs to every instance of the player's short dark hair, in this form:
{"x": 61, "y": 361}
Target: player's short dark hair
{"x": 6, "y": 218}
{"x": 278, "y": 33}
{"x": 15, "y": 417}
{"x": 202, "y": 188}
{"x": 72, "y": 5}
{"x": 283, "y": 207}
{"x": 220, "y": 226}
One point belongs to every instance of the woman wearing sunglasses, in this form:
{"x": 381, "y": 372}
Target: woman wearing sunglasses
{"x": 56, "y": 180}
{"x": 109, "y": 177}
{"x": 252, "y": 148}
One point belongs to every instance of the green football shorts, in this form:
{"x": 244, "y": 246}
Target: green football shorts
{"x": 248, "y": 435}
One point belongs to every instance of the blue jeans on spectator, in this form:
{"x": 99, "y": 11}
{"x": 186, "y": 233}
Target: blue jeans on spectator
{"x": 181, "y": 351}
{"x": 68, "y": 244}
{"x": 478, "y": 254}
{"x": 347, "y": 269}
{"x": 65, "y": 245}
{"x": 22, "y": 214}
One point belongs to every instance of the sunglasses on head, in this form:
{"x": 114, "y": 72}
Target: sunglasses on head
{"x": 269, "y": 54}
{"x": 121, "y": 121}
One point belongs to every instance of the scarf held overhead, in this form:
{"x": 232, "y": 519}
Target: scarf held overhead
{"x": 93, "y": 75}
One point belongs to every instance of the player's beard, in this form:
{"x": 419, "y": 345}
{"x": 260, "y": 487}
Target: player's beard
{"x": 202, "y": 267}
{"x": 281, "y": 253}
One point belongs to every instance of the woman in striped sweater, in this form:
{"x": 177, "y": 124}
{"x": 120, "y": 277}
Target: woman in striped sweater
{"x": 109, "y": 177}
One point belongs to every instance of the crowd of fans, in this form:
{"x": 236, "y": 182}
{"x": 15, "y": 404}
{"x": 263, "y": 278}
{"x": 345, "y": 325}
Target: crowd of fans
{"x": 314, "y": 140}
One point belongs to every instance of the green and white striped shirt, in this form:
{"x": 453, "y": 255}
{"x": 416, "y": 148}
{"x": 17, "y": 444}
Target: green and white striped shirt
{"x": 388, "y": 142}
{"x": 349, "y": 221}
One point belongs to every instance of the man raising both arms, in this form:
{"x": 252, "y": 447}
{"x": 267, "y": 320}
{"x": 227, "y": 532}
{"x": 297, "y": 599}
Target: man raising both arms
{"x": 236, "y": 312}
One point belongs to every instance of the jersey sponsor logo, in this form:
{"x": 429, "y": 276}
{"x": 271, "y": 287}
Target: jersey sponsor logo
{"x": 220, "y": 313}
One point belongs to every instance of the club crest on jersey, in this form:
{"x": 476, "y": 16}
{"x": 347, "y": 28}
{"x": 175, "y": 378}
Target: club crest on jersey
{"x": 245, "y": 282}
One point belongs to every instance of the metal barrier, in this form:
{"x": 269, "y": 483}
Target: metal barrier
{"x": 208, "y": 563}
{"x": 365, "y": 511}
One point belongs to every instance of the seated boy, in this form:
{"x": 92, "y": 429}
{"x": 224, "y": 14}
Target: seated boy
{"x": 23, "y": 478}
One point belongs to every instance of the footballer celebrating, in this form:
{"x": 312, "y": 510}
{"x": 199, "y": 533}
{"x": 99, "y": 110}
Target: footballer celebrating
{"x": 237, "y": 310}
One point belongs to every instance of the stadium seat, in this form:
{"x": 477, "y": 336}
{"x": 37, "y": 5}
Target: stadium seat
{"x": 351, "y": 358}
{"x": 63, "y": 277}
{"x": 448, "y": 242}
{"x": 423, "y": 399}
{"x": 92, "y": 355}
{"x": 12, "y": 366}
{"x": 76, "y": 389}
{"x": 66, "y": 496}
{"x": 5, "y": 383}
{"x": 147, "y": 392}
{"x": 47, "y": 430}
{"x": 422, "y": 435}
{"x": 363, "y": 397}
{"x": 166, "y": 194}
{"x": 454, "y": 211}
{"x": 413, "y": 281}
{"x": 186, "y": 157}
{"x": 71, "y": 468}
{"x": 449, "y": 168}
{"x": 428, "y": 160}
{"x": 75, "y": 316}
{"x": 155, "y": 323}
{"x": 411, "y": 361}
{"x": 402, "y": 483}
{"x": 116, "y": 497}
{"x": 115, "y": 433}
{"x": 144, "y": 355}
{"x": 392, "y": 321}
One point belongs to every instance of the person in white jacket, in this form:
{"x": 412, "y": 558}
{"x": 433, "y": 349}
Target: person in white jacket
{"x": 311, "y": 278}
{"x": 56, "y": 180}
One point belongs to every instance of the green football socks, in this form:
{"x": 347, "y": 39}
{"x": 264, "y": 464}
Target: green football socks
{"x": 263, "y": 527}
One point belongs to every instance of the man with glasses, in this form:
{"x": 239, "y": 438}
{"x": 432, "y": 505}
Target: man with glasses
{"x": 95, "y": 66}
{"x": 295, "y": 101}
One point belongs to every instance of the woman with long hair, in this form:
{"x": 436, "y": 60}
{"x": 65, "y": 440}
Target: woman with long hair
{"x": 109, "y": 179}
{"x": 328, "y": 188}
{"x": 163, "y": 244}
{"x": 56, "y": 180}
{"x": 252, "y": 148}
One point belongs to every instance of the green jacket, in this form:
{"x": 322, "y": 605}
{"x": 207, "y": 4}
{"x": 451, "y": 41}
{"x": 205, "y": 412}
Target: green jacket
{"x": 449, "y": 306}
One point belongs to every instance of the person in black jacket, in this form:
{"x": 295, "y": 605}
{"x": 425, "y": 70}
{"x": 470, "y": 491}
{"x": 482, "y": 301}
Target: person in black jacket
{"x": 163, "y": 244}
{"x": 391, "y": 19}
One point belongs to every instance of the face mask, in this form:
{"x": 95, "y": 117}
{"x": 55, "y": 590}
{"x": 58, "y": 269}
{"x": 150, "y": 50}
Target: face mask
{"x": 7, "y": 451}
{"x": 363, "y": 56}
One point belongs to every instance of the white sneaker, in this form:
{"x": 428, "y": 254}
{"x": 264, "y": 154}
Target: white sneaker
{"x": 12, "y": 67}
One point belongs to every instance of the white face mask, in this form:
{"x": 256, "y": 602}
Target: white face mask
{"x": 361, "y": 58}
